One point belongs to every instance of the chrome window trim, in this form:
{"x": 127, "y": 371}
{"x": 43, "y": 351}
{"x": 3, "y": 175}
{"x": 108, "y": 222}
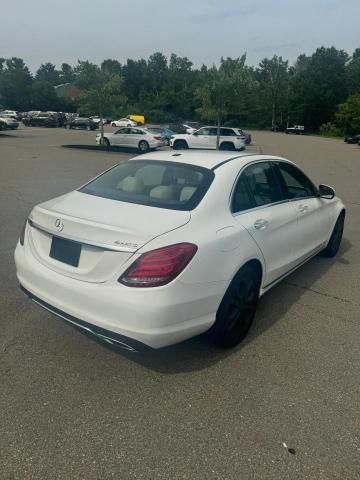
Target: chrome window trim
{"x": 285, "y": 200}
{"x": 235, "y": 214}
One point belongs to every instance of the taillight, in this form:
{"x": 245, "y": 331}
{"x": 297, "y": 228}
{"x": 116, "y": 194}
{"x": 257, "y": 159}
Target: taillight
{"x": 157, "y": 137}
{"x": 158, "y": 267}
{"x": 22, "y": 233}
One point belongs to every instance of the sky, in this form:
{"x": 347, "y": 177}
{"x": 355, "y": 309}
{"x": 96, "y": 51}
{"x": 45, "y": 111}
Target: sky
{"x": 203, "y": 30}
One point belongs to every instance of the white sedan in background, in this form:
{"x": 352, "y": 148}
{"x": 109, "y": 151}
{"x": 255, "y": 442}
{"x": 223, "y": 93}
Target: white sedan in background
{"x": 170, "y": 245}
{"x": 139, "y": 138}
{"x": 205, "y": 138}
{"x": 123, "y": 122}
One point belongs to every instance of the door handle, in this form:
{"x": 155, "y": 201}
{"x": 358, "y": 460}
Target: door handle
{"x": 261, "y": 224}
{"x": 303, "y": 208}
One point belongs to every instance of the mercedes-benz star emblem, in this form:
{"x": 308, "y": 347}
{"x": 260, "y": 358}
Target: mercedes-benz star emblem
{"x": 59, "y": 225}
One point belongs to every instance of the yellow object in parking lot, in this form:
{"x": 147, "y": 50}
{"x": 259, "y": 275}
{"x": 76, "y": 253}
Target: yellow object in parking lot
{"x": 137, "y": 118}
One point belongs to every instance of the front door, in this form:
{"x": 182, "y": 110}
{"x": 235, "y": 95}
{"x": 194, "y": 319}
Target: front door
{"x": 314, "y": 215}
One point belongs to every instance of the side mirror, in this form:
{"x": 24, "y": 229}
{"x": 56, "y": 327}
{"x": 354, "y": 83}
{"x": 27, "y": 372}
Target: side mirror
{"x": 326, "y": 192}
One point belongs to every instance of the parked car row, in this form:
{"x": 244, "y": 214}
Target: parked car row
{"x": 146, "y": 138}
{"x": 8, "y": 123}
{"x": 355, "y": 139}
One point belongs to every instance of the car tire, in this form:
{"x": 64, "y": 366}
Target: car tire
{"x": 106, "y": 142}
{"x": 228, "y": 146}
{"x": 143, "y": 146}
{"x": 88, "y": 128}
{"x": 68, "y": 127}
{"x": 237, "y": 309}
{"x": 113, "y": 125}
{"x": 180, "y": 145}
{"x": 333, "y": 245}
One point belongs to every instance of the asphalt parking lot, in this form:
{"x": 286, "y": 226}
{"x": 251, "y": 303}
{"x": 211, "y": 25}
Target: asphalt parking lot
{"x": 71, "y": 408}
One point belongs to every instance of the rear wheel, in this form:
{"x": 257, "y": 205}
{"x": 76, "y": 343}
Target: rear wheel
{"x": 88, "y": 128}
{"x": 180, "y": 145}
{"x": 237, "y": 309}
{"x": 227, "y": 146}
{"x": 335, "y": 240}
{"x": 143, "y": 146}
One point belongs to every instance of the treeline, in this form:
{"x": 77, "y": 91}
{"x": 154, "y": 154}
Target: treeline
{"x": 320, "y": 91}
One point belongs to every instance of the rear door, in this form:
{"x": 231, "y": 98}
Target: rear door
{"x": 135, "y": 135}
{"x": 314, "y": 213}
{"x": 259, "y": 206}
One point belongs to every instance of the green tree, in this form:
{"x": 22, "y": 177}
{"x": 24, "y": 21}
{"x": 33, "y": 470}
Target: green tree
{"x": 15, "y": 84}
{"x": 273, "y": 78}
{"x": 348, "y": 115}
{"x": 224, "y": 93}
{"x": 48, "y": 73}
{"x": 318, "y": 86}
{"x": 353, "y": 73}
{"x": 66, "y": 74}
{"x": 43, "y": 96}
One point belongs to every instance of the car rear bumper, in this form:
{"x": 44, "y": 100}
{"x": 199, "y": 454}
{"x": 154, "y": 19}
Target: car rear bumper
{"x": 154, "y": 318}
{"x": 105, "y": 335}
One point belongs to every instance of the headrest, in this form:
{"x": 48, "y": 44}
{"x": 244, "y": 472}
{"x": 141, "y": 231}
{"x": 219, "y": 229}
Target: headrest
{"x": 187, "y": 193}
{"x": 132, "y": 184}
{"x": 162, "y": 192}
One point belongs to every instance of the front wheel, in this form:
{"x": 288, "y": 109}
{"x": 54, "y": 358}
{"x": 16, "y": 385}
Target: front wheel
{"x": 88, "y": 128}
{"x": 335, "y": 240}
{"x": 180, "y": 145}
{"x": 106, "y": 142}
{"x": 143, "y": 146}
{"x": 237, "y": 309}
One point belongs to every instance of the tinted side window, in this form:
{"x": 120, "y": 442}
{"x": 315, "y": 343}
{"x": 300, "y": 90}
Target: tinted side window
{"x": 242, "y": 198}
{"x": 294, "y": 182}
{"x": 227, "y": 132}
{"x": 203, "y": 131}
{"x": 256, "y": 186}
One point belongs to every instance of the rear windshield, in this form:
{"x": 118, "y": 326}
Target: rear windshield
{"x": 170, "y": 185}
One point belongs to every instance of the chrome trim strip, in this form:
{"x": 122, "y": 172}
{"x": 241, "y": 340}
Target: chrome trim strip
{"x": 103, "y": 246}
{"x": 110, "y": 340}
{"x": 298, "y": 265}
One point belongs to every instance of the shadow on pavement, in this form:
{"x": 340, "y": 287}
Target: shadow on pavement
{"x": 198, "y": 353}
{"x": 102, "y": 148}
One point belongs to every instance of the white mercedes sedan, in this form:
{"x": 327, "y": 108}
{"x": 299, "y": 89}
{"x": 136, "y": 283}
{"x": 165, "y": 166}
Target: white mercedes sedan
{"x": 173, "y": 244}
{"x": 138, "y": 138}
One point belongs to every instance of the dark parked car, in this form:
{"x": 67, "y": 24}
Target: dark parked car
{"x": 278, "y": 128}
{"x": 354, "y": 139}
{"x": 43, "y": 119}
{"x": 177, "y": 128}
{"x": 81, "y": 122}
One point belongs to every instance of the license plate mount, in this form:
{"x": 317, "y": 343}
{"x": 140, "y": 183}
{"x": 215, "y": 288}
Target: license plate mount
{"x": 65, "y": 251}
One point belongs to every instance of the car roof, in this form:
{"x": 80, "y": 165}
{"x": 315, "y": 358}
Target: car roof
{"x": 204, "y": 158}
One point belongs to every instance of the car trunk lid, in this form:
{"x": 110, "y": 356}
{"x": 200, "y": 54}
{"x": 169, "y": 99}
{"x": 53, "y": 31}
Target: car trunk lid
{"x": 97, "y": 235}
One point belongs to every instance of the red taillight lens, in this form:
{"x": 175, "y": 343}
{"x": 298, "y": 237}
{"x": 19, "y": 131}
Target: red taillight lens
{"x": 158, "y": 267}
{"x": 157, "y": 137}
{"x": 22, "y": 233}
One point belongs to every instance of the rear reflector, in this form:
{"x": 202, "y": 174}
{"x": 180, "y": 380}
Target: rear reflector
{"x": 158, "y": 267}
{"x": 22, "y": 233}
